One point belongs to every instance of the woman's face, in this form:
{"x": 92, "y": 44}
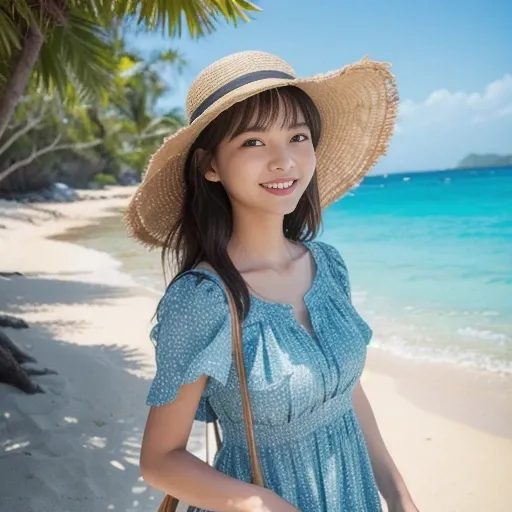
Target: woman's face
{"x": 266, "y": 169}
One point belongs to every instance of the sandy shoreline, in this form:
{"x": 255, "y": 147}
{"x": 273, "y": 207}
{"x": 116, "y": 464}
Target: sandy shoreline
{"x": 76, "y": 447}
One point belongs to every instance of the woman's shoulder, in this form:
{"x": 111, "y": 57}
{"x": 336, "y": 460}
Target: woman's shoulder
{"x": 192, "y": 336}
{"x": 334, "y": 262}
{"x": 194, "y": 291}
{"x": 329, "y": 253}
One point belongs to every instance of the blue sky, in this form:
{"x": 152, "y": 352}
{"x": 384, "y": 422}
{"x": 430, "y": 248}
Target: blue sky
{"x": 452, "y": 61}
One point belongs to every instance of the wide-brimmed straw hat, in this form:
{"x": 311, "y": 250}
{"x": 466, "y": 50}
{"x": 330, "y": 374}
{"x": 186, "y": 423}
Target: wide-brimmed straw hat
{"x": 358, "y": 108}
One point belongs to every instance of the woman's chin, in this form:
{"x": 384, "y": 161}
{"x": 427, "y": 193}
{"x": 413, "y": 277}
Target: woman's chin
{"x": 285, "y": 206}
{"x": 277, "y": 205}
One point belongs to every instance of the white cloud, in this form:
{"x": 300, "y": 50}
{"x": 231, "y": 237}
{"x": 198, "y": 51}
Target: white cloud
{"x": 443, "y": 106}
{"x": 439, "y": 131}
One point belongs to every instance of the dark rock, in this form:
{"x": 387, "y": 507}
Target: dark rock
{"x": 55, "y": 193}
{"x": 62, "y": 193}
{"x": 128, "y": 178}
{"x": 12, "y": 321}
{"x": 10, "y": 274}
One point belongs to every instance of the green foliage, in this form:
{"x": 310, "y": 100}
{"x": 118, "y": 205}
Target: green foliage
{"x": 100, "y": 93}
{"x": 78, "y": 46}
{"x": 78, "y": 54}
{"x": 475, "y": 160}
{"x": 104, "y": 179}
{"x": 49, "y": 119}
{"x": 199, "y": 16}
{"x": 128, "y": 125}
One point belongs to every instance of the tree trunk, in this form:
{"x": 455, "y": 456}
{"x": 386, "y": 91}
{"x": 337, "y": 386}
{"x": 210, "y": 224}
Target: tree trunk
{"x": 18, "y": 354}
{"x": 11, "y": 371}
{"x": 18, "y": 80}
{"x": 36, "y": 153}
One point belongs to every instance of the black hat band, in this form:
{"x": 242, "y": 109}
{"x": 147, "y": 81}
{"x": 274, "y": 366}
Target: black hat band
{"x": 235, "y": 84}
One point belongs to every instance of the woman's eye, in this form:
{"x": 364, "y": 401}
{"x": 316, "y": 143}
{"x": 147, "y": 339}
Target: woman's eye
{"x": 251, "y": 143}
{"x": 299, "y": 138}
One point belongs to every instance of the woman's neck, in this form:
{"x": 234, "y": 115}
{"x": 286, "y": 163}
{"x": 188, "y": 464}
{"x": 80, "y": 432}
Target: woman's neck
{"x": 258, "y": 243}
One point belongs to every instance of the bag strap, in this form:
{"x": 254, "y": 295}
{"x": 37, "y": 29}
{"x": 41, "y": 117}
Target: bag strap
{"x": 236, "y": 331}
{"x": 237, "y": 349}
{"x": 170, "y": 503}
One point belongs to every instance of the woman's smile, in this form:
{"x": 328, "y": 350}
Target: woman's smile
{"x": 280, "y": 186}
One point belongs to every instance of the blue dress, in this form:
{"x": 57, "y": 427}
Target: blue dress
{"x": 309, "y": 441}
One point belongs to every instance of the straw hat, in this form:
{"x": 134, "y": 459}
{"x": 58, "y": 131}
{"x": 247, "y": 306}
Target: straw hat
{"x": 358, "y": 108}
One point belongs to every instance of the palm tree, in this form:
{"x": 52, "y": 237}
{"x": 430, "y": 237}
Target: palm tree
{"x": 66, "y": 46}
{"x": 133, "y": 124}
{"x": 124, "y": 128}
{"x": 66, "y": 42}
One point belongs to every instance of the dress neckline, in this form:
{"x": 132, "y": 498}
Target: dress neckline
{"x": 307, "y": 296}
{"x": 312, "y": 289}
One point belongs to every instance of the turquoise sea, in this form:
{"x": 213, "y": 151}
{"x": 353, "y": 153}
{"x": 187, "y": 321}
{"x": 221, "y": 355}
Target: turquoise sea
{"x": 429, "y": 255}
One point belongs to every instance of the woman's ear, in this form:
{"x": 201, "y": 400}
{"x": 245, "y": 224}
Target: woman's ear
{"x": 206, "y": 165}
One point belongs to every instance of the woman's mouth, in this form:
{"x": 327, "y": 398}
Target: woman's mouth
{"x": 280, "y": 187}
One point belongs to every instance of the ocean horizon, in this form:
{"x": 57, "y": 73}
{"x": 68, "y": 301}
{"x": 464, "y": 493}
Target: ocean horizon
{"x": 429, "y": 255}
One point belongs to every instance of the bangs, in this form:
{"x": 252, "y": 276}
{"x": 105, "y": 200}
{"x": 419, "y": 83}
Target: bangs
{"x": 261, "y": 111}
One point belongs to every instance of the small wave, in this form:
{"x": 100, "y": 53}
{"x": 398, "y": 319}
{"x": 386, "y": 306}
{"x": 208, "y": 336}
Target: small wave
{"x": 359, "y": 297}
{"x": 150, "y": 284}
{"x": 107, "y": 269}
{"x": 483, "y": 334}
{"x": 413, "y": 309}
{"x": 399, "y": 347}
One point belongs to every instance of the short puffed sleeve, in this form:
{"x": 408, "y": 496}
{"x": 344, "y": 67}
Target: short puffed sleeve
{"x": 339, "y": 286}
{"x": 337, "y": 267}
{"x": 192, "y": 337}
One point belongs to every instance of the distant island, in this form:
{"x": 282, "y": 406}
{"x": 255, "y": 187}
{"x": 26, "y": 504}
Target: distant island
{"x": 475, "y": 160}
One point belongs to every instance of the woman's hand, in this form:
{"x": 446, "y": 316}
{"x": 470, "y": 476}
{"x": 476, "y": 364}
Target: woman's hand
{"x": 266, "y": 501}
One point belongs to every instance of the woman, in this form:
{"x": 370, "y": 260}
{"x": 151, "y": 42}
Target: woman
{"x": 236, "y": 196}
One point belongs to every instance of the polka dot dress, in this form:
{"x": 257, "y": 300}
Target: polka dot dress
{"x": 309, "y": 441}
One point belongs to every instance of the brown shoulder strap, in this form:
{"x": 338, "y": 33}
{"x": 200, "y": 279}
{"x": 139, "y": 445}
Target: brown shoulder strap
{"x": 170, "y": 504}
{"x": 236, "y": 336}
{"x": 236, "y": 330}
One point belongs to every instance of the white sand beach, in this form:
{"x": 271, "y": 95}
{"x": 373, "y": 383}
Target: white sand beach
{"x": 76, "y": 447}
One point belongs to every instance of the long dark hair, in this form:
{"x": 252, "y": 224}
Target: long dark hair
{"x": 205, "y": 225}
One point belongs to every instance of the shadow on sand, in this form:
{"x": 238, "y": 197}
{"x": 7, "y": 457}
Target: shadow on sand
{"x": 76, "y": 447}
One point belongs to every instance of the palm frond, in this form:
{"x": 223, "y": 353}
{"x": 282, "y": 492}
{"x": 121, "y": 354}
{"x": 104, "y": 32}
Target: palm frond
{"x": 200, "y": 16}
{"x": 173, "y": 57}
{"x": 9, "y": 36}
{"x": 78, "y": 51}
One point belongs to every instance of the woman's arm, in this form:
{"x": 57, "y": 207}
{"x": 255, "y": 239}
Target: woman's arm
{"x": 389, "y": 481}
{"x": 166, "y": 465}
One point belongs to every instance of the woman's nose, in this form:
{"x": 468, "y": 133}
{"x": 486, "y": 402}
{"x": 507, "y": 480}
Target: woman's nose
{"x": 282, "y": 160}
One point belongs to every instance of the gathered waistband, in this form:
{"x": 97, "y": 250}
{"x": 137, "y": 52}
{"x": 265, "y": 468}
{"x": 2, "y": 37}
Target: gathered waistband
{"x": 268, "y": 434}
